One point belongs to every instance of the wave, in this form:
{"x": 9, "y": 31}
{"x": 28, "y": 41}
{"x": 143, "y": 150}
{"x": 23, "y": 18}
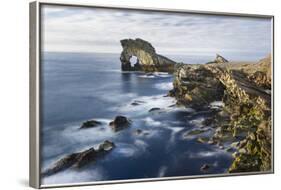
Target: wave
{"x": 155, "y": 75}
{"x": 145, "y": 104}
{"x": 151, "y": 122}
{"x": 164, "y": 86}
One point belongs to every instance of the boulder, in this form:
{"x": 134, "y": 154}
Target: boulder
{"x": 119, "y": 123}
{"x": 90, "y": 123}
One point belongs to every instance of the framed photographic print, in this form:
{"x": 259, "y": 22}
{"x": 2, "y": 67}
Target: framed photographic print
{"x": 126, "y": 94}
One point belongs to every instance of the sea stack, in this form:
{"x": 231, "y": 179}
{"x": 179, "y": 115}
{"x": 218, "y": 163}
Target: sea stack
{"x": 147, "y": 58}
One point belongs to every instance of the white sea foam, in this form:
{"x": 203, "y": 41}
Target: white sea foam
{"x": 70, "y": 176}
{"x": 141, "y": 145}
{"x": 151, "y": 122}
{"x": 73, "y": 135}
{"x": 162, "y": 171}
{"x": 130, "y": 150}
{"x": 155, "y": 75}
{"x": 164, "y": 86}
{"x": 147, "y": 76}
{"x": 204, "y": 154}
{"x": 125, "y": 151}
{"x": 115, "y": 97}
{"x": 158, "y": 101}
{"x": 216, "y": 104}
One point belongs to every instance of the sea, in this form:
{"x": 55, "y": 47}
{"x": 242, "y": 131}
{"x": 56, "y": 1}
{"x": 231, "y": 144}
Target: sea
{"x": 76, "y": 87}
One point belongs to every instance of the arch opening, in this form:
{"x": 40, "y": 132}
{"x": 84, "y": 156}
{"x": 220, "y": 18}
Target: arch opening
{"x": 134, "y": 62}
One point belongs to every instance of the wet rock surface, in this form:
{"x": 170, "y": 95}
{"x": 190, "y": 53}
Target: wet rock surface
{"x": 243, "y": 120}
{"x": 154, "y": 109}
{"x": 80, "y": 159}
{"x": 119, "y": 123}
{"x": 90, "y": 124}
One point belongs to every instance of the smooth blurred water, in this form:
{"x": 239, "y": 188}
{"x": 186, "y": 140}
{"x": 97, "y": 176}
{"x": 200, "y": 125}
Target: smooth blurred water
{"x": 79, "y": 86}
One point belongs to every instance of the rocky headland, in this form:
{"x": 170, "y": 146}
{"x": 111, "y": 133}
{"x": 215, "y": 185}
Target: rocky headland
{"x": 243, "y": 91}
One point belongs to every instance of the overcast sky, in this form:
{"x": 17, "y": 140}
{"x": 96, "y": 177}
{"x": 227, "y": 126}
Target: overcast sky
{"x": 80, "y": 29}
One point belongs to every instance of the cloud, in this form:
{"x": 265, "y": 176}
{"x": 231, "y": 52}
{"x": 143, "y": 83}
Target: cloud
{"x": 83, "y": 29}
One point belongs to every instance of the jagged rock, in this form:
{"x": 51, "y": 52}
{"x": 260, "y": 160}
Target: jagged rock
{"x": 195, "y": 86}
{"x": 90, "y": 123}
{"x": 80, "y": 159}
{"x": 147, "y": 58}
{"x": 246, "y": 114}
{"x": 219, "y": 59}
{"x": 262, "y": 77}
{"x": 119, "y": 123}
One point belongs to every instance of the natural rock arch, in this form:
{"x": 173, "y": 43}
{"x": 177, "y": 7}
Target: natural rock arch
{"x": 147, "y": 58}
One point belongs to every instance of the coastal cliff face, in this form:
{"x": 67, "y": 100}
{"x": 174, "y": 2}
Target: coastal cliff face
{"x": 245, "y": 116}
{"x": 147, "y": 58}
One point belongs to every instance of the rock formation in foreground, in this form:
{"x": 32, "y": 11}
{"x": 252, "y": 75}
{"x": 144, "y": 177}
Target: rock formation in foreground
{"x": 147, "y": 58}
{"x": 80, "y": 159}
{"x": 245, "y": 91}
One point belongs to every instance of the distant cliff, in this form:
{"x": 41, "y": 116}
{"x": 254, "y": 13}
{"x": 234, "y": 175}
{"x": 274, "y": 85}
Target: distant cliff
{"x": 147, "y": 58}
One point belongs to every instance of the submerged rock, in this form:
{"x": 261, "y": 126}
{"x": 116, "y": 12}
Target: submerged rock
{"x": 80, "y": 159}
{"x": 194, "y": 132}
{"x": 147, "y": 58}
{"x": 205, "y": 167}
{"x": 90, "y": 123}
{"x": 203, "y": 139}
{"x": 137, "y": 102}
{"x": 119, "y": 123}
{"x": 138, "y": 132}
{"x": 154, "y": 109}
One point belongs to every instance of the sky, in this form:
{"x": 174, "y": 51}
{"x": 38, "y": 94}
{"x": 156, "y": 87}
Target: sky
{"x": 84, "y": 29}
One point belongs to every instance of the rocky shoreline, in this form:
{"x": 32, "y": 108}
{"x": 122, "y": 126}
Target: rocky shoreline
{"x": 238, "y": 96}
{"x": 244, "y": 90}
{"x": 245, "y": 117}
